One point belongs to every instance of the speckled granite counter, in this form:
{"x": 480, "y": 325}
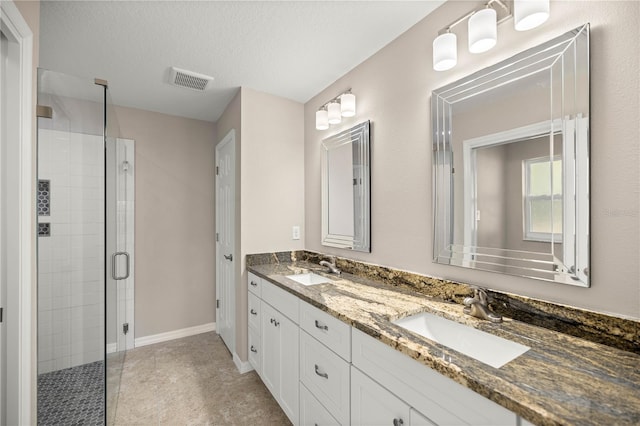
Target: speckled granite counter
{"x": 560, "y": 380}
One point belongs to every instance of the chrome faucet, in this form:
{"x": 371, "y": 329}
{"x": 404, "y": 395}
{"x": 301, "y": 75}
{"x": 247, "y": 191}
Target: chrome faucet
{"x": 333, "y": 269}
{"x": 478, "y": 306}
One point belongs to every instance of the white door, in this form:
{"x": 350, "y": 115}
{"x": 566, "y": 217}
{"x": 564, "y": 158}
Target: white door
{"x": 17, "y": 236}
{"x": 225, "y": 239}
{"x": 3, "y": 205}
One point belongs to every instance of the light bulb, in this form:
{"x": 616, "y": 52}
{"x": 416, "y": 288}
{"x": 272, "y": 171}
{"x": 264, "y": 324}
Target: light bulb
{"x": 528, "y": 14}
{"x": 348, "y": 105}
{"x": 322, "y": 119}
{"x": 445, "y": 52}
{"x": 334, "y": 112}
{"x": 483, "y": 30}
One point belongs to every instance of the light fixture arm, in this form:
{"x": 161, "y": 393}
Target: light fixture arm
{"x": 489, "y": 4}
{"x": 335, "y": 99}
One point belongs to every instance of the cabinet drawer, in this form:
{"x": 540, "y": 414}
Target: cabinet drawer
{"x": 371, "y": 404}
{"x": 283, "y": 301}
{"x": 436, "y": 396}
{"x": 255, "y": 351}
{"x": 326, "y": 375}
{"x": 417, "y": 419}
{"x": 254, "y": 312}
{"x": 254, "y": 284}
{"x": 312, "y": 413}
{"x": 329, "y": 330}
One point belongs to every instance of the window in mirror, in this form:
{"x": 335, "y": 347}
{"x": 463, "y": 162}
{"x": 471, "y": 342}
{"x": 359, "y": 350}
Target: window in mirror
{"x": 511, "y": 165}
{"x": 345, "y": 189}
{"x": 543, "y": 199}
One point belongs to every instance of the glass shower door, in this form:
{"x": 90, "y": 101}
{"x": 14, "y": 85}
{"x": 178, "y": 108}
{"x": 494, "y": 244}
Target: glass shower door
{"x": 71, "y": 322}
{"x": 119, "y": 210}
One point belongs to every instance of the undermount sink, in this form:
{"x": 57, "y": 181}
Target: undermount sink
{"x": 309, "y": 279}
{"x": 484, "y": 347}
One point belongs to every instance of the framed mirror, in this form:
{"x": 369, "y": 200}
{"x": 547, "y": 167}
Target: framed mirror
{"x": 346, "y": 189}
{"x": 511, "y": 165}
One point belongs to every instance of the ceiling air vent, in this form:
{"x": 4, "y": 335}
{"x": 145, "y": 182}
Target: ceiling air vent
{"x": 189, "y": 79}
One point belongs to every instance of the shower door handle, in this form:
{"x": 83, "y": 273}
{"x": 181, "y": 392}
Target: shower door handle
{"x": 114, "y": 257}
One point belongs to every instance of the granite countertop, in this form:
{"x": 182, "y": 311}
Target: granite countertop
{"x": 561, "y": 380}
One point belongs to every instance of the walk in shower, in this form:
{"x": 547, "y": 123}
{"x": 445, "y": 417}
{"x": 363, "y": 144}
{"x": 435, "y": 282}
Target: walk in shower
{"x": 85, "y": 202}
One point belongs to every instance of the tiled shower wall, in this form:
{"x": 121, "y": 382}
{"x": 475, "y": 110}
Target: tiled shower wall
{"x": 71, "y": 259}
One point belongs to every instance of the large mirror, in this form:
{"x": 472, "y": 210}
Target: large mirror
{"x": 345, "y": 189}
{"x": 511, "y": 165}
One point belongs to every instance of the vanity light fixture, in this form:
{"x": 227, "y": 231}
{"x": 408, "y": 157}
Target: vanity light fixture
{"x": 334, "y": 112}
{"x": 322, "y": 119}
{"x": 483, "y": 28}
{"x": 331, "y": 112}
{"x": 528, "y": 14}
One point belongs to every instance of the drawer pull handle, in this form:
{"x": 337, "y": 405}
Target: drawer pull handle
{"x": 254, "y": 350}
{"x": 275, "y": 322}
{"x": 325, "y": 375}
{"x": 253, "y": 283}
{"x": 321, "y": 326}
{"x": 253, "y": 312}
{"x": 398, "y": 422}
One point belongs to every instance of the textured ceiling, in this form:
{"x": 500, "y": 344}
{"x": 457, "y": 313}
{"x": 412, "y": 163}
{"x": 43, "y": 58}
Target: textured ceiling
{"x": 292, "y": 49}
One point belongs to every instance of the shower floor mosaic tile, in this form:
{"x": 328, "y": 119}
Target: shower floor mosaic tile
{"x": 73, "y": 396}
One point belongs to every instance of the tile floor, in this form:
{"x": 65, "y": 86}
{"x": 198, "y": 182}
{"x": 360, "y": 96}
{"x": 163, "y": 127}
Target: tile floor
{"x": 73, "y": 396}
{"x": 191, "y": 381}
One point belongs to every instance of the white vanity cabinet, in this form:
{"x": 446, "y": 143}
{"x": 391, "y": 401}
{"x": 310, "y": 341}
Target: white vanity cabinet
{"x": 273, "y": 342}
{"x": 438, "y": 398}
{"x": 324, "y": 372}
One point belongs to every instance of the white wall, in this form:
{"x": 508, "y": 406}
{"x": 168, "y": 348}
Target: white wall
{"x": 393, "y": 90}
{"x": 71, "y": 271}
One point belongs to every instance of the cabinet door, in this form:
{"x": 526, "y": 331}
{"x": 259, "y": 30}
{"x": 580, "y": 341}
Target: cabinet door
{"x": 280, "y": 359}
{"x": 373, "y": 405}
{"x": 270, "y": 340}
{"x": 289, "y": 367}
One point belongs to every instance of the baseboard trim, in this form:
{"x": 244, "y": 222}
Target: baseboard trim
{"x": 111, "y": 347}
{"x": 175, "y": 334}
{"x": 242, "y": 366}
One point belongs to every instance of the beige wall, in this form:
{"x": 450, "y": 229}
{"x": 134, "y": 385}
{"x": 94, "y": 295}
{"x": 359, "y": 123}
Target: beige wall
{"x": 30, "y": 11}
{"x": 174, "y": 220}
{"x": 271, "y": 186}
{"x": 393, "y": 89}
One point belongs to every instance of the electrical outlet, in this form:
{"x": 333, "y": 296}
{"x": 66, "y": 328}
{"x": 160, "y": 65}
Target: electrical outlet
{"x": 295, "y": 233}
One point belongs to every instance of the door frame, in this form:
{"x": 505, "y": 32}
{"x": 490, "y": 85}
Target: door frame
{"x": 230, "y": 138}
{"x": 21, "y": 242}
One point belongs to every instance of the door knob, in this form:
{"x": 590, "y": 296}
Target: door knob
{"x": 228, "y": 257}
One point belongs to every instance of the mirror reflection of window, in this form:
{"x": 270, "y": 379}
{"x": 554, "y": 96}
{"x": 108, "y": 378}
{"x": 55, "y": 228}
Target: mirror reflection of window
{"x": 543, "y": 199}
{"x": 341, "y": 190}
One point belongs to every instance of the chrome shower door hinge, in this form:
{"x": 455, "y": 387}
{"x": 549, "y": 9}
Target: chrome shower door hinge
{"x": 125, "y": 328}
